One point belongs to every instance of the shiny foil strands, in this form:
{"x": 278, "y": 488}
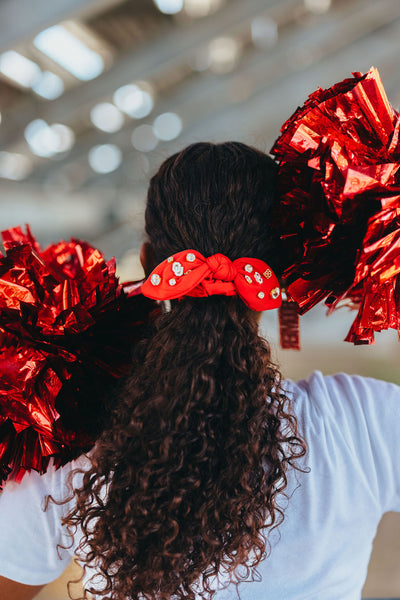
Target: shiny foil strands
{"x": 338, "y": 218}
{"x": 67, "y": 328}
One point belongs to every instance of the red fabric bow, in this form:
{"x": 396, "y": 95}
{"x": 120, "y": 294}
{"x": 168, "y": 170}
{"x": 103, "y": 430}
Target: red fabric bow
{"x": 189, "y": 273}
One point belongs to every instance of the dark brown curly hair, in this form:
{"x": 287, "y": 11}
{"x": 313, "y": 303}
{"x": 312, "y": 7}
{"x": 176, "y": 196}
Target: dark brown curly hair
{"x": 201, "y": 436}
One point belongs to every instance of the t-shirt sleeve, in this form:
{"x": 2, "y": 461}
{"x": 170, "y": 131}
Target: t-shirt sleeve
{"x": 366, "y": 414}
{"x": 29, "y": 535}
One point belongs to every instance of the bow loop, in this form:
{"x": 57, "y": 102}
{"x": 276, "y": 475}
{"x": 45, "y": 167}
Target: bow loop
{"x": 222, "y": 267}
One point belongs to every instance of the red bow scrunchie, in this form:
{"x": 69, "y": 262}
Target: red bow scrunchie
{"x": 189, "y": 273}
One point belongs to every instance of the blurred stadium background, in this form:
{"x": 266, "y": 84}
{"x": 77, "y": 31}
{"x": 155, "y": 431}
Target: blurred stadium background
{"x": 94, "y": 94}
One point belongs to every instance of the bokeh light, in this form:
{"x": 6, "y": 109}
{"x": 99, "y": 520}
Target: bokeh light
{"x": 106, "y": 117}
{"x": 134, "y": 101}
{"x": 167, "y": 126}
{"x": 105, "y": 158}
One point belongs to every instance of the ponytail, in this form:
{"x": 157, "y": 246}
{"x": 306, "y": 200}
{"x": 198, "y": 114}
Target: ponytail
{"x": 196, "y": 451}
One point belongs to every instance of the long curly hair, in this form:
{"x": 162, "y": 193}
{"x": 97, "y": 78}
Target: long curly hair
{"x": 201, "y": 435}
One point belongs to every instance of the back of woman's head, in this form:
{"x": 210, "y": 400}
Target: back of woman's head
{"x": 201, "y": 436}
{"x": 214, "y": 198}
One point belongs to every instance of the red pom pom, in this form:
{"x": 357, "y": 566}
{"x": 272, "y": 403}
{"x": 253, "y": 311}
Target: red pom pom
{"x": 340, "y": 203}
{"x": 66, "y": 333}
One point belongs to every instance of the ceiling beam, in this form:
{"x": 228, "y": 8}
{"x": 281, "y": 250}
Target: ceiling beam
{"x": 205, "y": 104}
{"x": 255, "y": 121}
{"x": 172, "y": 47}
{"x": 21, "y": 20}
{"x": 374, "y": 42}
{"x": 353, "y": 40}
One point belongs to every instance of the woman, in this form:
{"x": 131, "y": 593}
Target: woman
{"x": 203, "y": 469}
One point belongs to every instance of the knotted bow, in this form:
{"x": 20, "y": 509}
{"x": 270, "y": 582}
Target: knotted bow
{"x": 189, "y": 273}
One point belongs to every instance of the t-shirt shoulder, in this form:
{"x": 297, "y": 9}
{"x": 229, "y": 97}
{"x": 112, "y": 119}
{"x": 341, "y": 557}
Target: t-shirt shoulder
{"x": 35, "y": 548}
{"x": 362, "y": 414}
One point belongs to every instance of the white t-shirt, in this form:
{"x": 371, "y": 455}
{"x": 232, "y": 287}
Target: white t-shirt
{"x": 322, "y": 548}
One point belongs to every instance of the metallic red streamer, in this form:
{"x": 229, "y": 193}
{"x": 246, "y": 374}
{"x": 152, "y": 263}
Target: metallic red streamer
{"x": 340, "y": 203}
{"x": 67, "y": 328}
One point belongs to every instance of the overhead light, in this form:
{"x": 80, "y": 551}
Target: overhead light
{"x": 169, "y": 7}
{"x": 264, "y": 32}
{"x": 317, "y": 6}
{"x": 201, "y": 8}
{"x": 224, "y": 53}
{"x": 105, "y": 158}
{"x": 19, "y": 68}
{"x": 14, "y": 166}
{"x": 48, "y": 85}
{"x": 46, "y": 141}
{"x": 144, "y": 139}
{"x": 134, "y": 101}
{"x": 106, "y": 117}
{"x": 65, "y": 135}
{"x": 167, "y": 126}
{"x": 70, "y": 52}
{"x": 28, "y": 74}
